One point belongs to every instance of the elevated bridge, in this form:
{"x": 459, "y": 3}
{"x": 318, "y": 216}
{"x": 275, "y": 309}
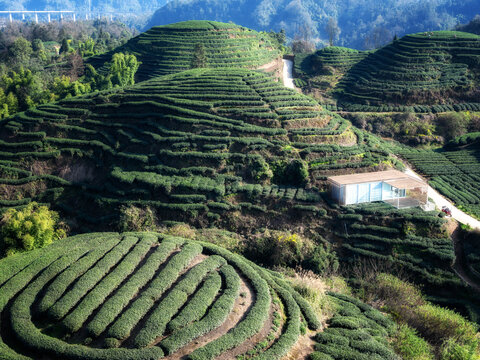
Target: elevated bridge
{"x": 56, "y": 15}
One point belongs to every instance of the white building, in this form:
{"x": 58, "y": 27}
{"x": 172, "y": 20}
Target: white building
{"x": 392, "y": 186}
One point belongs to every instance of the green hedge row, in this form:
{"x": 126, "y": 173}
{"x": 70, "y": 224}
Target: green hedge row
{"x": 119, "y": 301}
{"x": 123, "y": 325}
{"x": 89, "y": 280}
{"x": 96, "y": 297}
{"x": 174, "y": 300}
{"x": 216, "y": 315}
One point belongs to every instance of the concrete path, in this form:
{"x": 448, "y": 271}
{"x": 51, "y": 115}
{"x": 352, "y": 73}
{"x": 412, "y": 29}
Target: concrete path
{"x": 288, "y": 73}
{"x": 440, "y": 201}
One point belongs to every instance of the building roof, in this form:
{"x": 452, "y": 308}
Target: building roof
{"x": 392, "y": 177}
{"x": 409, "y": 183}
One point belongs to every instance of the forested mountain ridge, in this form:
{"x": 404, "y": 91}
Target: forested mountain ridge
{"x": 363, "y": 24}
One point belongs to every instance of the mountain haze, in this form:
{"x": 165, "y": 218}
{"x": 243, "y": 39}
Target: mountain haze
{"x": 358, "y": 20}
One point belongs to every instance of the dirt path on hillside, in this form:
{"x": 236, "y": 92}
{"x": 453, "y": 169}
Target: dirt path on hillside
{"x": 288, "y": 73}
{"x": 440, "y": 201}
{"x": 240, "y": 310}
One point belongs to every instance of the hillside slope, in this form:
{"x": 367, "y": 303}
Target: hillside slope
{"x": 423, "y": 68}
{"x": 170, "y": 48}
{"x": 419, "y": 71}
{"x": 201, "y": 142}
{"x": 115, "y": 296}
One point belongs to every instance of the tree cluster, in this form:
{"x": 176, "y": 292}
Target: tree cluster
{"x": 45, "y": 62}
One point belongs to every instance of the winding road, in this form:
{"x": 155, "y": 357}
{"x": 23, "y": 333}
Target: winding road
{"x": 288, "y": 73}
{"x": 441, "y": 201}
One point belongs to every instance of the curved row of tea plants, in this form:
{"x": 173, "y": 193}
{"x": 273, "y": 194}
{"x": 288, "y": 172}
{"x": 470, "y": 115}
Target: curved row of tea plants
{"x": 356, "y": 331}
{"x": 454, "y": 172}
{"x": 416, "y": 69}
{"x": 141, "y": 296}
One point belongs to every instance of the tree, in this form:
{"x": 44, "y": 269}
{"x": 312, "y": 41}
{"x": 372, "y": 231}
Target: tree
{"x": 87, "y": 48}
{"x": 199, "y": 59}
{"x": 379, "y": 36}
{"x": 65, "y": 48}
{"x": 333, "y": 30}
{"x": 297, "y": 173}
{"x": 33, "y": 227}
{"x": 303, "y": 42}
{"x": 37, "y": 45}
{"x": 75, "y": 66}
{"x": 452, "y": 124}
{"x": 294, "y": 173}
{"x": 123, "y": 68}
{"x": 26, "y": 87}
{"x": 21, "y": 50}
{"x": 279, "y": 37}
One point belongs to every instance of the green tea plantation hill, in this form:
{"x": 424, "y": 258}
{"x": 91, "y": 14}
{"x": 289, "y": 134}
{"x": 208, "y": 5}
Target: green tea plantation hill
{"x": 323, "y": 69}
{"x": 146, "y": 296}
{"x": 170, "y": 48}
{"x": 193, "y": 145}
{"x": 431, "y": 71}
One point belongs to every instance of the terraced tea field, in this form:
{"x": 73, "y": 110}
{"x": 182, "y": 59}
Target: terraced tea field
{"x": 192, "y": 145}
{"x": 454, "y": 172}
{"x": 144, "y": 296}
{"x": 423, "y": 72}
{"x": 394, "y": 240}
{"x": 416, "y": 69}
{"x": 168, "y": 49}
{"x": 327, "y": 64}
{"x": 356, "y": 331}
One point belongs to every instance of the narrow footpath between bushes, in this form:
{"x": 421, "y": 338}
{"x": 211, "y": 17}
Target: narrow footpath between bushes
{"x": 440, "y": 201}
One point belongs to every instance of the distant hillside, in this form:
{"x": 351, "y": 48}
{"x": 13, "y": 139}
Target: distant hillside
{"x": 417, "y": 69}
{"x": 362, "y": 23}
{"x": 420, "y": 69}
{"x": 170, "y": 48}
{"x": 472, "y": 27}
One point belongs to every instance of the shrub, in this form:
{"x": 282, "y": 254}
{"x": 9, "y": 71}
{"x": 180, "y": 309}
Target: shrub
{"x": 33, "y": 227}
{"x": 452, "y": 125}
{"x": 410, "y": 346}
{"x": 437, "y": 324}
{"x": 294, "y": 173}
{"x": 280, "y": 248}
{"x": 133, "y": 218}
{"x": 454, "y": 351}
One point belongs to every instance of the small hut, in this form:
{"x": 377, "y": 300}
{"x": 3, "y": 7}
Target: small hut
{"x": 392, "y": 186}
